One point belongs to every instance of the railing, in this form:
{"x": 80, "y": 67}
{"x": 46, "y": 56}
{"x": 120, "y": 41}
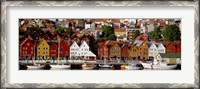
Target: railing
{"x": 76, "y": 61}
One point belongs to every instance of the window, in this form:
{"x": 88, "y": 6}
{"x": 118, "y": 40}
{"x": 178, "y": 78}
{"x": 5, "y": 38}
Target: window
{"x": 26, "y": 48}
{"x": 28, "y": 44}
{"x": 31, "y": 48}
{"x": 46, "y": 48}
{"x": 42, "y": 44}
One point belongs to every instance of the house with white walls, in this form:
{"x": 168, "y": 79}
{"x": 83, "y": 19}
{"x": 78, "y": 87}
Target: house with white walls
{"x": 84, "y": 48}
{"x": 161, "y": 48}
{"x": 74, "y": 50}
{"x": 153, "y": 50}
{"x": 82, "y": 51}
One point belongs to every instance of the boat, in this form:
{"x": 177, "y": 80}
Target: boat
{"x": 60, "y": 66}
{"x": 158, "y": 66}
{"x": 105, "y": 65}
{"x": 35, "y": 67}
{"x": 136, "y": 66}
{"x": 88, "y": 66}
{"x": 45, "y": 66}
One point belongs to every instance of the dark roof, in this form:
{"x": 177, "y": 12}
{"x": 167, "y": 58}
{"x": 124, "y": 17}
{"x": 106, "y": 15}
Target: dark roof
{"x": 170, "y": 55}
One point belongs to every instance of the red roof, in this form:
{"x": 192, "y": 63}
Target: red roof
{"x": 119, "y": 30}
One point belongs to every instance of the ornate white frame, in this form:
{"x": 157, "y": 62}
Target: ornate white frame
{"x": 5, "y": 4}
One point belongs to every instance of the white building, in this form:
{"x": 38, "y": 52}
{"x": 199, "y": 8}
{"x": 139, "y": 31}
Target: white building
{"x": 161, "y": 48}
{"x": 153, "y": 50}
{"x": 82, "y": 51}
{"x": 87, "y": 25}
{"x": 84, "y": 48}
{"x": 74, "y": 50}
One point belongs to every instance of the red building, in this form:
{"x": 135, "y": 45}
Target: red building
{"x": 178, "y": 46}
{"x": 27, "y": 49}
{"x": 54, "y": 50}
{"x": 125, "y": 51}
{"x": 64, "y": 51}
{"x": 170, "y": 48}
{"x": 104, "y": 50}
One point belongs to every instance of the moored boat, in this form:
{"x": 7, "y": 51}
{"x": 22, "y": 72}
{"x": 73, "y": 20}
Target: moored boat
{"x": 88, "y": 66}
{"x": 158, "y": 66}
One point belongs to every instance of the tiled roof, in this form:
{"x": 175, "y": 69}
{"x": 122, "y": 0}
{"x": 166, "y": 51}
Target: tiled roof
{"x": 120, "y": 30}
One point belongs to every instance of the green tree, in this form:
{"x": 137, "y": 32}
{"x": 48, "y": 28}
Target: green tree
{"x": 156, "y": 34}
{"x": 136, "y": 34}
{"x": 69, "y": 31}
{"x": 112, "y": 37}
{"x": 107, "y": 32}
{"x": 59, "y": 30}
{"x": 171, "y": 33}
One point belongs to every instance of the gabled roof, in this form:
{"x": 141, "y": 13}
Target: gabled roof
{"x": 57, "y": 35}
{"x": 36, "y": 33}
{"x": 74, "y": 43}
{"x": 25, "y": 41}
{"x": 84, "y": 43}
{"x": 138, "y": 43}
{"x": 42, "y": 41}
{"x": 65, "y": 35}
{"x": 27, "y": 33}
{"x": 170, "y": 55}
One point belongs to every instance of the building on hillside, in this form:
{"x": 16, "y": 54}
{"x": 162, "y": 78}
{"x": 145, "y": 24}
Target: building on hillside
{"x": 120, "y": 34}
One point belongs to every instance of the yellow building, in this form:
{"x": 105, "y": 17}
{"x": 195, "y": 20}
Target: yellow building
{"x": 115, "y": 50}
{"x": 142, "y": 49}
{"x": 120, "y": 32}
{"x": 133, "y": 51}
{"x": 43, "y": 50}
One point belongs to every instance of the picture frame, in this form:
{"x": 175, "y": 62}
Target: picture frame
{"x": 4, "y": 38}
